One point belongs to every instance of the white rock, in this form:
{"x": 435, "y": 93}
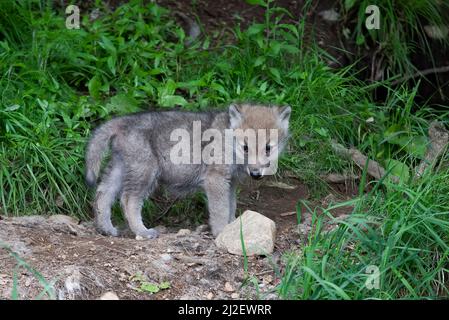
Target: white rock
{"x": 109, "y": 296}
{"x": 183, "y": 232}
{"x": 161, "y": 229}
{"x": 436, "y": 32}
{"x": 63, "y": 219}
{"x": 329, "y": 15}
{"x": 201, "y": 228}
{"x": 228, "y": 287}
{"x": 68, "y": 224}
{"x": 259, "y": 233}
{"x": 165, "y": 257}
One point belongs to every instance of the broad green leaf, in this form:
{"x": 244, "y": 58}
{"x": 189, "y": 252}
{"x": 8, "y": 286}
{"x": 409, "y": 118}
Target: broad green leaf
{"x": 360, "y": 39}
{"x": 398, "y": 169}
{"x": 290, "y": 49}
{"x": 255, "y": 29}
{"x": 122, "y": 104}
{"x": 275, "y": 47}
{"x": 111, "y": 63}
{"x": 149, "y": 287}
{"x": 164, "y": 285}
{"x": 172, "y": 100}
{"x": 276, "y": 74}
{"x": 106, "y": 44}
{"x": 94, "y": 87}
{"x": 322, "y": 131}
{"x": 349, "y": 4}
{"x": 259, "y": 61}
{"x": 12, "y": 108}
{"x": 256, "y": 2}
{"x": 417, "y": 146}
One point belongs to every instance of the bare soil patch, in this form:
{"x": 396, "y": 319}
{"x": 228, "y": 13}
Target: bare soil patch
{"x": 84, "y": 265}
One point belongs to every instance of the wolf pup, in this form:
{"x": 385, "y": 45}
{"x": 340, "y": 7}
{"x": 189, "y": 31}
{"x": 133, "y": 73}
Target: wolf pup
{"x": 143, "y": 149}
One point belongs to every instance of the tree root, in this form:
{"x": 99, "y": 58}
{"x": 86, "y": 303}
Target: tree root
{"x": 374, "y": 169}
{"x": 439, "y": 139}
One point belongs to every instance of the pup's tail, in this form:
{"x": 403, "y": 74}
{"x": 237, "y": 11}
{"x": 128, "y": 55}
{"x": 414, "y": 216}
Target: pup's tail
{"x": 96, "y": 149}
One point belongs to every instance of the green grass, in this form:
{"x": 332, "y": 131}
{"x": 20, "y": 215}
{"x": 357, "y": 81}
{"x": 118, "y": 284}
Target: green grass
{"x": 57, "y": 84}
{"x": 402, "y": 232}
{"x": 401, "y": 34}
{"x": 48, "y": 290}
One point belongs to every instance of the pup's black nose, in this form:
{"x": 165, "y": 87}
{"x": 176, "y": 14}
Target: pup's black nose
{"x": 255, "y": 174}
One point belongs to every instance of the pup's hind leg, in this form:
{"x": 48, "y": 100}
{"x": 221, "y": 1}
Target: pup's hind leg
{"x": 105, "y": 197}
{"x": 138, "y": 185}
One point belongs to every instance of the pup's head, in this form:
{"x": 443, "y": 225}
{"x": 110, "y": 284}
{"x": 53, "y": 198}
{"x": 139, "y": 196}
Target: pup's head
{"x": 261, "y": 134}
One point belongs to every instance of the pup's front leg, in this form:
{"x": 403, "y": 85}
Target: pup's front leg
{"x": 219, "y": 197}
{"x": 232, "y": 201}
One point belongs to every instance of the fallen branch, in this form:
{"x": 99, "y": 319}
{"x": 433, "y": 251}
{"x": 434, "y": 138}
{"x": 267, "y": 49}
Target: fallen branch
{"x": 339, "y": 178}
{"x": 439, "y": 139}
{"x": 192, "y": 260}
{"x": 286, "y": 214}
{"x": 421, "y": 73}
{"x": 374, "y": 169}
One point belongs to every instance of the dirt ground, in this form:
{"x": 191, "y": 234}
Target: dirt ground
{"x": 84, "y": 265}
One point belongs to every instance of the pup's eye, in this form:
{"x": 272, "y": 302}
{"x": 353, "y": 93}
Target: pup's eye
{"x": 268, "y": 149}
{"x": 245, "y": 148}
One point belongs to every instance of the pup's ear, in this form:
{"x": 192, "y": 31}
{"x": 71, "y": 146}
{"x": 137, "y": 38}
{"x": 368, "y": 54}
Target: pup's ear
{"x": 235, "y": 116}
{"x": 284, "y": 116}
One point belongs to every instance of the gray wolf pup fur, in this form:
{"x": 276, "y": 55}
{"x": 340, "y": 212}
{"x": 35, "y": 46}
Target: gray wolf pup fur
{"x": 140, "y": 162}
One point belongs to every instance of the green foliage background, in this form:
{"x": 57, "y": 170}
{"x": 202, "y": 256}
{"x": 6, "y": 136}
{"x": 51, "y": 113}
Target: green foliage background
{"x": 57, "y": 84}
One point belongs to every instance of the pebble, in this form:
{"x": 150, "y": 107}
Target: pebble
{"x": 109, "y": 296}
{"x": 228, "y": 287}
{"x": 183, "y": 232}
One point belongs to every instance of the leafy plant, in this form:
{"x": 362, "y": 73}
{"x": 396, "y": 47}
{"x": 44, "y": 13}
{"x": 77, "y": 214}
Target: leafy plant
{"x": 149, "y": 287}
{"x": 401, "y": 32}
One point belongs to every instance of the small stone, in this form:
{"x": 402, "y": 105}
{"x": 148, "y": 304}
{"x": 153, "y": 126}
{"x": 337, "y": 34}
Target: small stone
{"x": 436, "y": 32}
{"x": 28, "y": 282}
{"x": 235, "y": 295}
{"x": 210, "y": 296}
{"x": 64, "y": 223}
{"x": 259, "y": 233}
{"x": 94, "y": 15}
{"x": 140, "y": 238}
{"x": 267, "y": 278}
{"x": 165, "y": 257}
{"x": 63, "y": 219}
{"x": 183, "y": 232}
{"x": 271, "y": 296}
{"x": 161, "y": 229}
{"x": 329, "y": 15}
{"x": 201, "y": 228}
{"x": 228, "y": 287}
{"x": 109, "y": 296}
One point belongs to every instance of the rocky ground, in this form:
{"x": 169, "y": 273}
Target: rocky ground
{"x": 72, "y": 261}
